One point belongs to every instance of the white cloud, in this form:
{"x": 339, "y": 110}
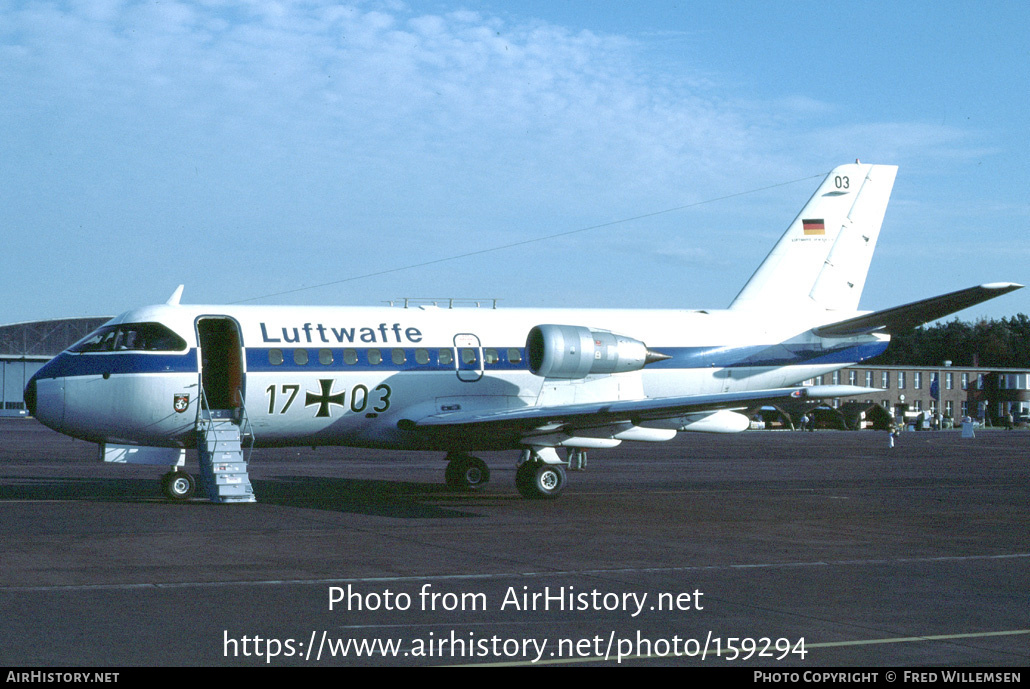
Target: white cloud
{"x": 318, "y": 128}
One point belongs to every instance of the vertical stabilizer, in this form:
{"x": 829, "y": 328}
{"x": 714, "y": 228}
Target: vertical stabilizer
{"x": 823, "y": 257}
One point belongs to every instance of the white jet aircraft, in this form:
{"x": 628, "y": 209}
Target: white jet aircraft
{"x": 159, "y": 379}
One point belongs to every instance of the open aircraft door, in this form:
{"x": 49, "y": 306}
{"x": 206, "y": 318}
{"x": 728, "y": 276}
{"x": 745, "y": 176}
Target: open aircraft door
{"x": 468, "y": 357}
{"x": 221, "y": 361}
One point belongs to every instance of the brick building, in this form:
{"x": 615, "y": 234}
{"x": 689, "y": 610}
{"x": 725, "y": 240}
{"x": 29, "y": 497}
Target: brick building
{"x": 982, "y": 393}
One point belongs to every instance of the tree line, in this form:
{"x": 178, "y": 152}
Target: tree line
{"x": 1003, "y": 343}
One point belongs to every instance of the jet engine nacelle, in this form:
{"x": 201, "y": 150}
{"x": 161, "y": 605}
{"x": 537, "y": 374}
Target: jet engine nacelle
{"x": 573, "y": 351}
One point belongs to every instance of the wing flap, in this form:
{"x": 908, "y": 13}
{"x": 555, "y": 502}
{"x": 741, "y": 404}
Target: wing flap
{"x": 908, "y": 316}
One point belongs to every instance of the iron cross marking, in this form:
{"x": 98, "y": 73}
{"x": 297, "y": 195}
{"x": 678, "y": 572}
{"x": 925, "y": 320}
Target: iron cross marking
{"x": 325, "y": 399}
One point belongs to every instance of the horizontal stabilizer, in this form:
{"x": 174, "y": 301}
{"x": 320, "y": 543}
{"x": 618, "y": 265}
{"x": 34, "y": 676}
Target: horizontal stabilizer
{"x": 908, "y": 316}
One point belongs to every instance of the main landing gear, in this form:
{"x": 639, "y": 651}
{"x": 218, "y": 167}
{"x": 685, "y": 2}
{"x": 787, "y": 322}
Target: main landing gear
{"x": 540, "y": 473}
{"x": 178, "y": 485}
{"x": 538, "y": 481}
{"x": 465, "y": 472}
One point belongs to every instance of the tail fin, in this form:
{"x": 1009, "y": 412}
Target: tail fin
{"x": 823, "y": 257}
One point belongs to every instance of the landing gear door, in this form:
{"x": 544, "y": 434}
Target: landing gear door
{"x": 468, "y": 357}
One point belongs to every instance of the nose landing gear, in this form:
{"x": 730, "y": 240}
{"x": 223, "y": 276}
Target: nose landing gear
{"x": 178, "y": 485}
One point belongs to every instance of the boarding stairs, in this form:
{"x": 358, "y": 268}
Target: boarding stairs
{"x": 221, "y": 435}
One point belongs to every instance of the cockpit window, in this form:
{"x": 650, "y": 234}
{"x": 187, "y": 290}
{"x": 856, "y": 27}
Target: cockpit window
{"x": 134, "y": 337}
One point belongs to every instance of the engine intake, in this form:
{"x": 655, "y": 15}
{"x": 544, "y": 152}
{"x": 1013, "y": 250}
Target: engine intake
{"x": 574, "y": 351}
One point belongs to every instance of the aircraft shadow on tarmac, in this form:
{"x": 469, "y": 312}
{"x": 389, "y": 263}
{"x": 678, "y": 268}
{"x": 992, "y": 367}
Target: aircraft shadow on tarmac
{"x": 396, "y": 499}
{"x": 363, "y": 496}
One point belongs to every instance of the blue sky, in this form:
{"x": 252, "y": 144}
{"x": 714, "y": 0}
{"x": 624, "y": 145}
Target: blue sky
{"x": 256, "y": 148}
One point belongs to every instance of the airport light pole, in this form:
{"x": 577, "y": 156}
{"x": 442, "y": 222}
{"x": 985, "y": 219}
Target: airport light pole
{"x": 940, "y": 394}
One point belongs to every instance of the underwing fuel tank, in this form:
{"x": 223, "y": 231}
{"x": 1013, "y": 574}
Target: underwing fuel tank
{"x": 720, "y": 421}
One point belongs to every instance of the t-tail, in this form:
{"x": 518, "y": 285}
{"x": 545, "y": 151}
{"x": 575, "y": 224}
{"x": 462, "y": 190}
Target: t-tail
{"x": 822, "y": 260}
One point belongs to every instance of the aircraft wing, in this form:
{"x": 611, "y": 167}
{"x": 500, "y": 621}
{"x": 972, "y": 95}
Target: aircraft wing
{"x": 593, "y": 414}
{"x": 908, "y": 316}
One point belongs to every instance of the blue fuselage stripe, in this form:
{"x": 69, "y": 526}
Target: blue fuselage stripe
{"x": 99, "y": 363}
{"x": 260, "y": 359}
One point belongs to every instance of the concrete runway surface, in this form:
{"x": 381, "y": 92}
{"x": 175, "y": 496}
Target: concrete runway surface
{"x": 772, "y": 549}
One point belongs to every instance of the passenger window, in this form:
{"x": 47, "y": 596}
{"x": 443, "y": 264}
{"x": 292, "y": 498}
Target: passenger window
{"x": 398, "y": 357}
{"x": 300, "y": 357}
{"x": 275, "y": 357}
{"x": 490, "y": 356}
{"x": 375, "y": 357}
{"x": 325, "y": 357}
{"x": 468, "y": 356}
{"x": 446, "y": 358}
{"x": 350, "y": 357}
{"x": 422, "y": 356}
{"x": 514, "y": 356}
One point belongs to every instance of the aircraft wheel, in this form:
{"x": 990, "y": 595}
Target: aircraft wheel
{"x": 178, "y": 485}
{"x": 465, "y": 472}
{"x": 524, "y": 476}
{"x": 539, "y": 481}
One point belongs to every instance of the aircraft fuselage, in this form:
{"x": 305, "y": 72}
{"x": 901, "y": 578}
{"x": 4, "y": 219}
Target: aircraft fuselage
{"x": 352, "y": 376}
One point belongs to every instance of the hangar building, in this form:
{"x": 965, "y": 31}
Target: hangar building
{"x": 25, "y": 347}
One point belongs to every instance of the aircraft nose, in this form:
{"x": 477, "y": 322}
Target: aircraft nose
{"x": 44, "y": 398}
{"x": 30, "y": 396}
